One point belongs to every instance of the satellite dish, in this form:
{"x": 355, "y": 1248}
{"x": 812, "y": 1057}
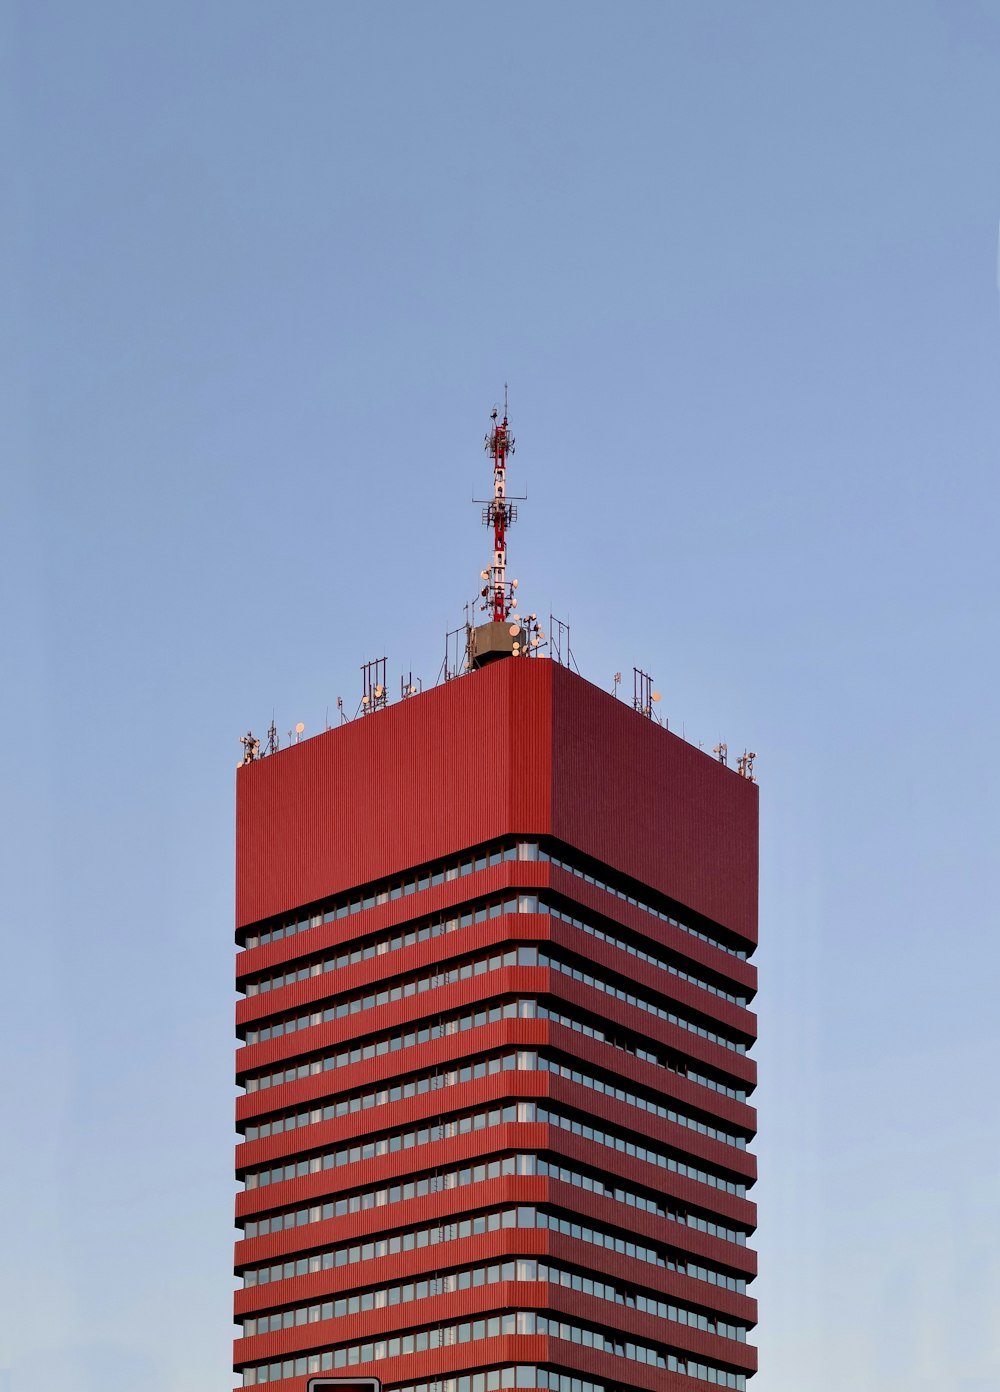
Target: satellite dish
{"x": 514, "y": 630}
{"x": 484, "y": 575}
{"x": 513, "y": 584}
{"x": 656, "y": 695}
{"x": 364, "y": 700}
{"x": 299, "y": 728}
{"x": 516, "y": 649}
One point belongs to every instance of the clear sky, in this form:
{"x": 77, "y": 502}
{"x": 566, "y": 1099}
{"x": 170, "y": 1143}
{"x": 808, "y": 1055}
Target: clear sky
{"x": 266, "y": 269}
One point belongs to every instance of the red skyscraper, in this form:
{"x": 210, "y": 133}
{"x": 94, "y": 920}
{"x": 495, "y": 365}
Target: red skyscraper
{"x": 493, "y": 1044}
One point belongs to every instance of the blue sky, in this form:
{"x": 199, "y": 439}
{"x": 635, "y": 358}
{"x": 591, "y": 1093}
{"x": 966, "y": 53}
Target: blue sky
{"x": 266, "y": 270}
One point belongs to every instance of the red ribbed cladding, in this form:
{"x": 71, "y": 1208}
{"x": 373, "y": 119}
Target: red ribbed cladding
{"x": 494, "y": 1048}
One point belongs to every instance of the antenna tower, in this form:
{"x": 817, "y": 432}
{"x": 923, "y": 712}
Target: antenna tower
{"x": 559, "y": 643}
{"x": 251, "y": 747}
{"x": 644, "y": 698}
{"x": 499, "y": 514}
{"x": 374, "y": 695}
{"x": 409, "y": 687}
{"x": 744, "y": 765}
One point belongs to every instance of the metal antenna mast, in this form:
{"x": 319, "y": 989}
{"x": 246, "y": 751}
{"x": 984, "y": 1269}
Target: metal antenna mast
{"x": 499, "y": 514}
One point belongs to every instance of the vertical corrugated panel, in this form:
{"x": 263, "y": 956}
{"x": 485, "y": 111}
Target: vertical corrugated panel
{"x": 457, "y": 766}
{"x": 639, "y": 798}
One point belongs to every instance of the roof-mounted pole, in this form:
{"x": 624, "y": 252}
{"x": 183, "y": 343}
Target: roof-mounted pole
{"x": 499, "y": 515}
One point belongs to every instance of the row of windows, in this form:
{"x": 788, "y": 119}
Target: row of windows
{"x": 354, "y": 903}
{"x": 430, "y": 928}
{"x": 632, "y": 1099}
{"x": 646, "y": 908}
{"x": 568, "y": 1227}
{"x": 641, "y": 1152}
{"x": 634, "y": 951}
{"x": 544, "y": 960}
{"x": 479, "y": 1121}
{"x": 523, "y": 1322}
{"x": 623, "y": 1042}
{"x": 513, "y": 1269}
{"x": 410, "y": 1241}
{"x": 358, "y": 901}
{"x": 464, "y": 917}
{"x": 525, "y": 1009}
{"x": 554, "y": 1170}
{"x": 521, "y": 1164}
{"x": 389, "y": 1145}
{"x": 394, "y": 1092}
{"x": 524, "y": 1216}
{"x": 415, "y": 986}
{"x": 492, "y": 1380}
{"x": 479, "y": 966}
{"x": 439, "y": 1183}
{"x": 524, "y": 1061}
{"x": 423, "y": 1034}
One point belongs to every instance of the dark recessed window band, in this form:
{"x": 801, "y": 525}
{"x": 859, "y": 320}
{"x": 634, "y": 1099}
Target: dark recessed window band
{"x": 464, "y": 916}
{"x": 359, "y": 900}
{"x": 518, "y": 1322}
{"x": 460, "y": 1229}
{"x": 526, "y": 956}
{"x": 511, "y": 1268}
{"x": 526, "y": 1164}
{"x": 490, "y": 1065}
{"x": 398, "y": 1141}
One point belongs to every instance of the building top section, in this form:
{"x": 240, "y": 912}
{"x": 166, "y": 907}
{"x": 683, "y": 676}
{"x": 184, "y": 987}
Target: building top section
{"x": 518, "y": 748}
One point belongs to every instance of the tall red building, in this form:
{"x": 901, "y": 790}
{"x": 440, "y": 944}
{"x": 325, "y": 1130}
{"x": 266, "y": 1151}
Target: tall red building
{"x": 494, "y": 1029}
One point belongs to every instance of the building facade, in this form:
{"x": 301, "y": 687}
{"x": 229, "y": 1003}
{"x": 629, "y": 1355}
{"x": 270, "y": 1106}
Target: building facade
{"x": 494, "y": 969}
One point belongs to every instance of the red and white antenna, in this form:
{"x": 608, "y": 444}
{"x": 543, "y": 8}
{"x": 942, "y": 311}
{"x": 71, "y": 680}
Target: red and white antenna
{"x": 498, "y": 593}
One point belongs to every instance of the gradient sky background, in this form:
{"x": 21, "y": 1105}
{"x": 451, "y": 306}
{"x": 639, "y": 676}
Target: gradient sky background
{"x": 266, "y": 270}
